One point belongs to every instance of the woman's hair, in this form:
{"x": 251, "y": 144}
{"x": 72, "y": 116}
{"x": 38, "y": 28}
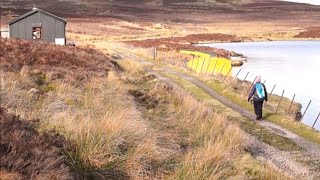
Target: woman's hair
{"x": 258, "y": 79}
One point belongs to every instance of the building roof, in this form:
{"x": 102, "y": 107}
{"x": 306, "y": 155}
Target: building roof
{"x": 4, "y": 29}
{"x": 35, "y": 10}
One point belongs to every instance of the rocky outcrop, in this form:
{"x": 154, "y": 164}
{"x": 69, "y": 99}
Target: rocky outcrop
{"x": 236, "y": 63}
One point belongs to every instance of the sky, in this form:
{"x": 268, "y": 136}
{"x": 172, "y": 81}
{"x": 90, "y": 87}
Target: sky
{"x": 315, "y": 2}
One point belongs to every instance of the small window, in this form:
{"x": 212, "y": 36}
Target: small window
{"x": 36, "y": 33}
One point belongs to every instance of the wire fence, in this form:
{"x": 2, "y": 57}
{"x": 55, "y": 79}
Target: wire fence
{"x": 313, "y": 116}
{"x": 224, "y": 73}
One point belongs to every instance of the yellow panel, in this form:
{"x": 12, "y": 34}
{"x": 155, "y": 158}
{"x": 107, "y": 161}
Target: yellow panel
{"x": 211, "y": 65}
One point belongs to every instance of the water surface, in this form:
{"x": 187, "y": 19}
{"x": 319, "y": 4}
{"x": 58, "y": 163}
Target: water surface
{"x": 291, "y": 65}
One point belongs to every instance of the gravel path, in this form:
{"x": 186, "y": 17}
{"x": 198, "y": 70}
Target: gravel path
{"x": 285, "y": 161}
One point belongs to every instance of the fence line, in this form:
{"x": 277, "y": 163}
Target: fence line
{"x": 201, "y": 72}
{"x": 238, "y": 73}
{"x": 245, "y": 77}
{"x": 208, "y": 66}
{"x": 222, "y": 68}
{"x": 215, "y": 65}
{"x": 227, "y": 74}
{"x": 272, "y": 90}
{"x": 291, "y": 103}
{"x": 204, "y": 61}
{"x": 316, "y": 120}
{"x": 306, "y": 109}
{"x": 281, "y": 97}
{"x": 280, "y": 101}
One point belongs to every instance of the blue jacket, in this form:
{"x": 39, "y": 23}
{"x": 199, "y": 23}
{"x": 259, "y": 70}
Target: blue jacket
{"x": 253, "y": 92}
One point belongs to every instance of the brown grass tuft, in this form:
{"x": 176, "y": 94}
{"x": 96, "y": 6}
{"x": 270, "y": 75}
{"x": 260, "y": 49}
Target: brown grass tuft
{"x": 213, "y": 141}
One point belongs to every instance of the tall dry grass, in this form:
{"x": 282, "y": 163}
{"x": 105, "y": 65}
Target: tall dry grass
{"x": 109, "y": 132}
{"x": 214, "y": 144}
{"x": 215, "y": 141}
{"x": 100, "y": 118}
{"x": 106, "y": 120}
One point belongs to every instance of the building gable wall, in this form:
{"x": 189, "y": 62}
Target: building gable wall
{"x": 51, "y": 27}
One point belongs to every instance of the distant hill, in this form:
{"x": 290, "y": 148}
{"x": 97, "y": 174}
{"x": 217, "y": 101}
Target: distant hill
{"x": 102, "y": 7}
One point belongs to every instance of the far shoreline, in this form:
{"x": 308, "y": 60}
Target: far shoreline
{"x": 267, "y": 40}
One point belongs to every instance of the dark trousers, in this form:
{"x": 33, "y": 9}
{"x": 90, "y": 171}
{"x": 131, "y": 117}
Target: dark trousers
{"x": 258, "y": 108}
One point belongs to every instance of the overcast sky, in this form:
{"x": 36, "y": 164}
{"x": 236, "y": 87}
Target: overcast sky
{"x": 315, "y": 2}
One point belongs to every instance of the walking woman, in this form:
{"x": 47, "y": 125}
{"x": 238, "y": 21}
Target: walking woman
{"x": 259, "y": 93}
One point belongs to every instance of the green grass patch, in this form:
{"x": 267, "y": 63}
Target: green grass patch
{"x": 254, "y": 169}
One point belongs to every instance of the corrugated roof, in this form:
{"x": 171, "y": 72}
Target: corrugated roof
{"x": 35, "y": 10}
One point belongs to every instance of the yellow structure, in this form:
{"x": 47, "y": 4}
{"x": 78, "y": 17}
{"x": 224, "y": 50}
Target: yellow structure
{"x": 205, "y": 64}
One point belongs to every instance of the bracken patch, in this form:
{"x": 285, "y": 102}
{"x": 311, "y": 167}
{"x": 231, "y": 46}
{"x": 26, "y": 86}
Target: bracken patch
{"x": 82, "y": 63}
{"x": 27, "y": 154}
